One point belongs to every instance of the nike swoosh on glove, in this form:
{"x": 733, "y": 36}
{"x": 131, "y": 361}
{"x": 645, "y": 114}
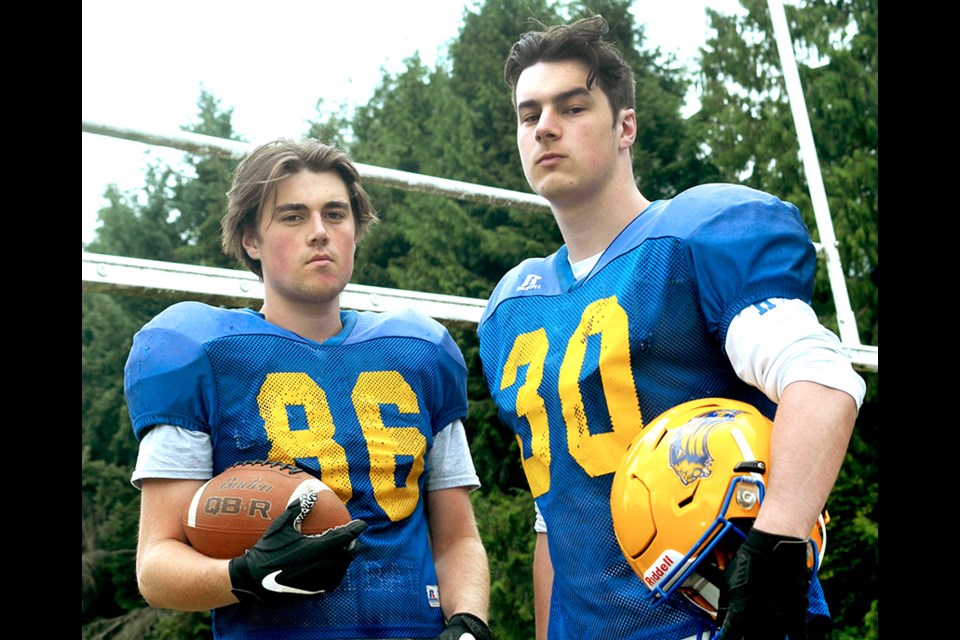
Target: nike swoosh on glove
{"x": 285, "y": 562}
{"x": 769, "y": 583}
{"x": 465, "y": 626}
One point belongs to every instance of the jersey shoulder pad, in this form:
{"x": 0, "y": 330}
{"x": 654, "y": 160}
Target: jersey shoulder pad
{"x": 533, "y": 276}
{"x": 201, "y": 322}
{"x": 403, "y": 323}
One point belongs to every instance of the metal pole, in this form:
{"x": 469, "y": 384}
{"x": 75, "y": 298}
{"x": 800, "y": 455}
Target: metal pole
{"x": 846, "y": 321}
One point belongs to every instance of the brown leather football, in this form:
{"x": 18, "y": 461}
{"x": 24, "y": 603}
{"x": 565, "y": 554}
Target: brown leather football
{"x": 230, "y": 512}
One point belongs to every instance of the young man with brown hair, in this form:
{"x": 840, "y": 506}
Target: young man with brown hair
{"x": 647, "y": 306}
{"x": 370, "y": 403}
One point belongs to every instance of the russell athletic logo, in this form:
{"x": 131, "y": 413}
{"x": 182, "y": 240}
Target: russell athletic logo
{"x": 530, "y": 282}
{"x": 661, "y": 567}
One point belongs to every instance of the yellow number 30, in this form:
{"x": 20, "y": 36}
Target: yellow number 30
{"x": 596, "y": 453}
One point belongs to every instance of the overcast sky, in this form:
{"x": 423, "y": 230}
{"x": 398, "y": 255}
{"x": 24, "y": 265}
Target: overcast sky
{"x": 144, "y": 64}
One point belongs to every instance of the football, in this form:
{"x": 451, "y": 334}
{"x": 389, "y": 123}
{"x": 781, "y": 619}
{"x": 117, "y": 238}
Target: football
{"x": 230, "y": 512}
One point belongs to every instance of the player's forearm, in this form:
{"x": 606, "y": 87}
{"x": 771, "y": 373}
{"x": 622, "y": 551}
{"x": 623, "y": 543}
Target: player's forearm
{"x": 171, "y": 575}
{"x": 464, "y": 577}
{"x": 542, "y": 585}
{"x": 811, "y": 432}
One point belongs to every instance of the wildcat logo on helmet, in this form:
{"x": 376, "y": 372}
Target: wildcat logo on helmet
{"x": 689, "y": 455}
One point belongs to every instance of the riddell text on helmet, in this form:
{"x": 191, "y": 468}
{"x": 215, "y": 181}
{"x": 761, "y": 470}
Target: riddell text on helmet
{"x": 661, "y": 567}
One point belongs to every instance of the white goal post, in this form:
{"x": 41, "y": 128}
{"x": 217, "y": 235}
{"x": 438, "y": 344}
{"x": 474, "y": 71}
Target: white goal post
{"x": 231, "y": 287}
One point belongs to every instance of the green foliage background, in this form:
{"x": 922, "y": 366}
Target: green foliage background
{"x": 455, "y": 121}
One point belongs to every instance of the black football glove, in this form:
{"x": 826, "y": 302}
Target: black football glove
{"x": 284, "y": 561}
{"x": 463, "y": 623}
{"x": 769, "y": 583}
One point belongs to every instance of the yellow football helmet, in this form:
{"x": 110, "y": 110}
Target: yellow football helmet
{"x": 687, "y": 492}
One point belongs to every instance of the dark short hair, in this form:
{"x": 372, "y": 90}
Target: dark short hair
{"x": 255, "y": 180}
{"x": 581, "y": 41}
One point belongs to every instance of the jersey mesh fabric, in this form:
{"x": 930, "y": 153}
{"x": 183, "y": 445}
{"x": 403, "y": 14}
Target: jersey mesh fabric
{"x": 596, "y": 594}
{"x": 577, "y": 367}
{"x": 360, "y": 411}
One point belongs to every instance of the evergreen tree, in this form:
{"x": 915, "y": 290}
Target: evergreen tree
{"x": 746, "y": 124}
{"x": 201, "y": 198}
{"x": 477, "y": 57}
{"x": 136, "y": 224}
{"x": 428, "y": 243}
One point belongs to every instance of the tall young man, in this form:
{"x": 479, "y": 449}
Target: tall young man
{"x": 371, "y": 403}
{"x": 646, "y": 306}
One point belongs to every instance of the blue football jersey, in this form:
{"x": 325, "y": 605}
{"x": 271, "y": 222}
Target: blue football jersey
{"x": 577, "y": 368}
{"x": 360, "y": 411}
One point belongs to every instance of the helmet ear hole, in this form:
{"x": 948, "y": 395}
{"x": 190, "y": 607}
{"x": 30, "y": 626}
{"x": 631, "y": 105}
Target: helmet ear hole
{"x": 688, "y": 499}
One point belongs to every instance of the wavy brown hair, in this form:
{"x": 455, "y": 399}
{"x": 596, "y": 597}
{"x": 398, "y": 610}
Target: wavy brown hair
{"x": 257, "y": 175}
{"x": 584, "y": 42}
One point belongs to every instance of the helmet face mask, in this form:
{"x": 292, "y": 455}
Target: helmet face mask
{"x": 687, "y": 492}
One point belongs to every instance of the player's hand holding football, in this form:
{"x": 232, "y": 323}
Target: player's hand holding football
{"x": 465, "y": 626}
{"x": 768, "y": 583}
{"x": 285, "y": 561}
